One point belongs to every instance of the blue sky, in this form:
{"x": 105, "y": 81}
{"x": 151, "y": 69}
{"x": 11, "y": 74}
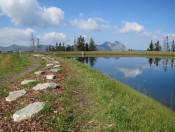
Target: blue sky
{"x": 132, "y": 22}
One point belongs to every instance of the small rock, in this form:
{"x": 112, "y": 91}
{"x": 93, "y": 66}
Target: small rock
{"x": 56, "y": 66}
{"x": 39, "y": 72}
{"x": 28, "y": 111}
{"x": 14, "y": 95}
{"x": 49, "y": 65}
{"x": 27, "y": 81}
{"x": 37, "y": 55}
{"x": 55, "y": 62}
{"x": 45, "y": 86}
{"x": 55, "y": 70}
{"x": 50, "y": 77}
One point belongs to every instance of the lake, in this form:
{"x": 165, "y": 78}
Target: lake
{"x": 154, "y": 77}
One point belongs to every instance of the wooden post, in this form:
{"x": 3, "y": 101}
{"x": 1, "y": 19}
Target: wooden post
{"x": 19, "y": 52}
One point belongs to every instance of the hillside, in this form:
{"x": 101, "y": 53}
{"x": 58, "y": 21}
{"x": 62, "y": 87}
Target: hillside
{"x": 115, "y": 46}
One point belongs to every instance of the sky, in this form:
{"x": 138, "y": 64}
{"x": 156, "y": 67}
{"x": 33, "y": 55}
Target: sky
{"x": 132, "y": 22}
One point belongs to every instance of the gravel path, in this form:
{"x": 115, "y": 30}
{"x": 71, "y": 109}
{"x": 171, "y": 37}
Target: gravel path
{"x": 7, "y": 80}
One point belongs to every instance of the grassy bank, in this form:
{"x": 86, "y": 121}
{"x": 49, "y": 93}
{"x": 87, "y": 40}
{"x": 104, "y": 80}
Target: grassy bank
{"x": 11, "y": 65}
{"x": 95, "y": 102}
{"x": 115, "y": 53}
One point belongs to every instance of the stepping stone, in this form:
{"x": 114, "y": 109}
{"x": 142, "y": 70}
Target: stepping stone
{"x": 55, "y": 62}
{"x": 45, "y": 86}
{"x": 28, "y": 112}
{"x": 55, "y": 70}
{"x": 24, "y": 82}
{"x": 50, "y": 77}
{"x": 56, "y": 66}
{"x": 14, "y": 95}
{"x": 37, "y": 55}
{"x": 49, "y": 65}
{"x": 39, "y": 72}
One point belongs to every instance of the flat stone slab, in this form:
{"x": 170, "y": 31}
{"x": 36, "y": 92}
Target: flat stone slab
{"x": 39, "y": 72}
{"x": 14, "y": 95}
{"x": 44, "y": 86}
{"x": 50, "y": 77}
{"x": 55, "y": 62}
{"x": 49, "y": 65}
{"x": 24, "y": 82}
{"x": 56, "y": 66}
{"x": 28, "y": 112}
{"x": 38, "y": 55}
{"x": 55, "y": 70}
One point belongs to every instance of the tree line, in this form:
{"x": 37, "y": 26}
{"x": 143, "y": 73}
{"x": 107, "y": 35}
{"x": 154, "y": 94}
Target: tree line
{"x": 166, "y": 46}
{"x": 79, "y": 45}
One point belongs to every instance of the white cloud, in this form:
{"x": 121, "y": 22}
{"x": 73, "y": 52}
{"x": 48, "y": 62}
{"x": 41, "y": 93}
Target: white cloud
{"x": 10, "y": 36}
{"x": 89, "y": 24}
{"x": 171, "y": 35}
{"x": 53, "y": 37}
{"x": 29, "y": 12}
{"x": 92, "y": 24}
{"x": 131, "y": 27}
{"x": 130, "y": 72}
{"x": 22, "y": 37}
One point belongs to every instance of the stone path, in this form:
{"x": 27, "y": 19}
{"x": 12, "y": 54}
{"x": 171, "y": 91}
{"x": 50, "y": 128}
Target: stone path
{"x": 32, "y": 109}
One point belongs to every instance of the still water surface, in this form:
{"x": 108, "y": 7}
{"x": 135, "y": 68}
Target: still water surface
{"x": 154, "y": 77}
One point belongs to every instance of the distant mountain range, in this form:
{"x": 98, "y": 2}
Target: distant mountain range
{"x": 14, "y": 47}
{"x": 107, "y": 46}
{"x": 115, "y": 46}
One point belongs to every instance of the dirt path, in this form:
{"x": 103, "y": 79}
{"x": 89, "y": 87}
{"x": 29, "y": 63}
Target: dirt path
{"x": 10, "y": 78}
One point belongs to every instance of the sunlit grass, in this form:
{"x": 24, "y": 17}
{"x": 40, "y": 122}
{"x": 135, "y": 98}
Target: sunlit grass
{"x": 11, "y": 63}
{"x": 115, "y": 53}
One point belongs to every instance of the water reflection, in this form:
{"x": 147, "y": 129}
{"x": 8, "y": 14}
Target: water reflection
{"x": 128, "y": 72}
{"x": 165, "y": 62}
{"x": 87, "y": 60}
{"x": 151, "y": 76}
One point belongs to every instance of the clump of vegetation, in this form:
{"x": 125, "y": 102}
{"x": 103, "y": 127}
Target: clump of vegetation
{"x": 3, "y": 91}
{"x": 31, "y": 84}
{"x": 49, "y": 100}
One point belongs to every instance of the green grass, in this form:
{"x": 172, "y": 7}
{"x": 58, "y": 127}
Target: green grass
{"x": 49, "y": 102}
{"x": 104, "y": 104}
{"x": 115, "y": 53}
{"x": 31, "y": 84}
{"x": 11, "y": 63}
{"x": 3, "y": 91}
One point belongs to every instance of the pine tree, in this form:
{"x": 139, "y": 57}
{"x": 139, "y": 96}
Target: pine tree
{"x": 80, "y": 43}
{"x": 32, "y": 42}
{"x": 86, "y": 47}
{"x": 151, "y": 46}
{"x": 92, "y": 46}
{"x": 63, "y": 47}
{"x": 56, "y": 46}
{"x": 173, "y": 46}
{"x": 59, "y": 47}
{"x": 157, "y": 46}
{"x": 39, "y": 46}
